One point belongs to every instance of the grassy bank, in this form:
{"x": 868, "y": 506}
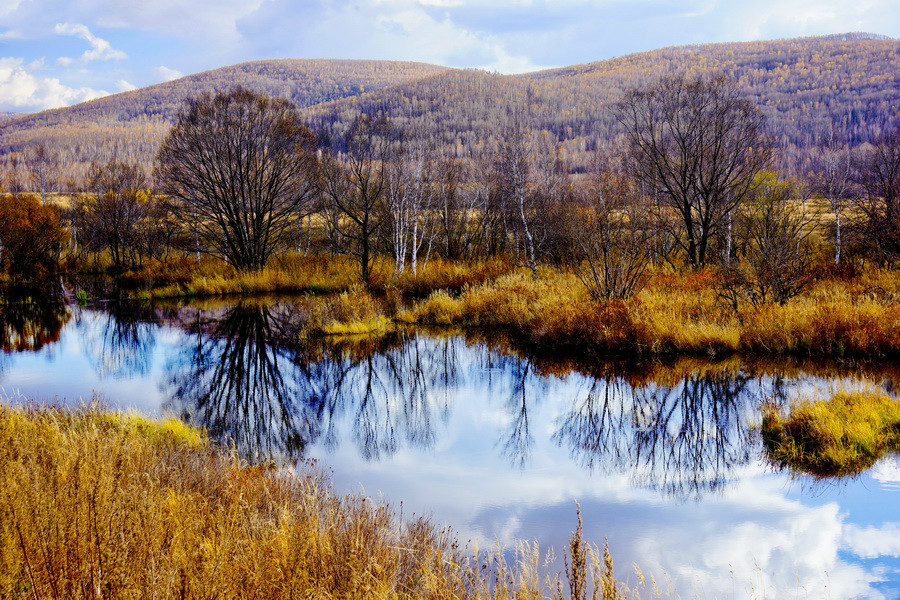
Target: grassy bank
{"x": 838, "y": 315}
{"x": 99, "y": 505}
{"x": 844, "y": 435}
{"x": 679, "y": 313}
{"x": 293, "y": 273}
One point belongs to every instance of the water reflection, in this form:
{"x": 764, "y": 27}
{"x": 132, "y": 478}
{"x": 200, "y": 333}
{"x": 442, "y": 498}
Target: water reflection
{"x": 122, "y": 345}
{"x": 684, "y": 439}
{"x": 249, "y": 375}
{"x": 236, "y": 377}
{"x": 29, "y": 323}
{"x": 494, "y": 439}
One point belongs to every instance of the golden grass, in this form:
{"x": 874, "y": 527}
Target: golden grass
{"x": 182, "y": 276}
{"x": 841, "y": 436}
{"x": 679, "y": 313}
{"x": 96, "y": 505}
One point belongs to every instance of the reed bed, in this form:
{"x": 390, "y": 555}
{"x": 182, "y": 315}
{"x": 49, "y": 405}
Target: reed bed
{"x": 106, "y": 505}
{"x": 679, "y": 313}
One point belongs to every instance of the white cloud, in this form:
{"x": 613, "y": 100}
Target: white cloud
{"x": 100, "y": 48}
{"x": 125, "y": 86}
{"x": 21, "y": 89}
{"x": 164, "y": 73}
{"x": 872, "y": 542}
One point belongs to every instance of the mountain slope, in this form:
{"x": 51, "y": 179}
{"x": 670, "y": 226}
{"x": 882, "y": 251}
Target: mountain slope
{"x": 805, "y": 86}
{"x": 304, "y": 82}
{"x": 802, "y": 85}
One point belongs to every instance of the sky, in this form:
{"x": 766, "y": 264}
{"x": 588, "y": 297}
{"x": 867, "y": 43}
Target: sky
{"x": 60, "y": 52}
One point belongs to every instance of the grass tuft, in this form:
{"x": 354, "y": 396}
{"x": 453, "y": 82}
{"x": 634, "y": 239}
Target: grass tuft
{"x": 841, "y": 436}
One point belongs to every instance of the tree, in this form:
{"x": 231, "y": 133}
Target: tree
{"x": 355, "y": 188}
{"x": 832, "y": 178}
{"x": 697, "y": 147}
{"x": 514, "y": 188}
{"x": 613, "y": 238}
{"x": 43, "y": 162}
{"x": 878, "y": 173}
{"x": 31, "y": 239}
{"x": 775, "y": 259}
{"x": 243, "y": 170}
{"x": 120, "y": 213}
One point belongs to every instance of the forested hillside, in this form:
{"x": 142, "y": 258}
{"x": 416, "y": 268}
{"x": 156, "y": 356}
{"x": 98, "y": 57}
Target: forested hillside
{"x": 130, "y": 125}
{"x": 803, "y": 86}
{"x": 806, "y": 88}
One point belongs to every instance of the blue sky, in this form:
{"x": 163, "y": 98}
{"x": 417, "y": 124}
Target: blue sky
{"x": 60, "y": 52}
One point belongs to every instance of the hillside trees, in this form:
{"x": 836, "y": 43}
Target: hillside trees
{"x": 697, "y": 148}
{"x": 242, "y": 169}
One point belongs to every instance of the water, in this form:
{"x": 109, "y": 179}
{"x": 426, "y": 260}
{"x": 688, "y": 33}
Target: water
{"x": 664, "y": 460}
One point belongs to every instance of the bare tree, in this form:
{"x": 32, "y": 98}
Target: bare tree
{"x": 697, "y": 147}
{"x": 244, "y": 169}
{"x": 878, "y": 173}
{"x": 43, "y": 162}
{"x": 776, "y": 259}
{"x": 121, "y": 214}
{"x": 513, "y": 171}
{"x": 832, "y": 178}
{"x": 614, "y": 237}
{"x": 354, "y": 190}
{"x": 408, "y": 198}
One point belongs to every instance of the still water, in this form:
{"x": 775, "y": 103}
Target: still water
{"x": 665, "y": 460}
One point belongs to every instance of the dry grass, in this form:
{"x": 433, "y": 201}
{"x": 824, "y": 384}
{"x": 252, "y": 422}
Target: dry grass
{"x": 841, "y": 436}
{"x": 680, "y": 313}
{"x": 182, "y": 276}
{"x": 98, "y": 505}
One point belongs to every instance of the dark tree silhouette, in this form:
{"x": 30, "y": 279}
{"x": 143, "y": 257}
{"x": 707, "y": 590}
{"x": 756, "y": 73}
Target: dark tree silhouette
{"x": 243, "y": 168}
{"x": 697, "y": 146}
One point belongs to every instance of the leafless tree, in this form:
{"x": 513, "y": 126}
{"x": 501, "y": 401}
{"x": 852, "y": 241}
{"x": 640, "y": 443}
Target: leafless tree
{"x": 43, "y": 162}
{"x": 514, "y": 185}
{"x": 878, "y": 174}
{"x": 697, "y": 146}
{"x": 121, "y": 214}
{"x": 354, "y": 190}
{"x": 775, "y": 264}
{"x": 244, "y": 170}
{"x": 832, "y": 178}
{"x": 408, "y": 200}
{"x": 614, "y": 237}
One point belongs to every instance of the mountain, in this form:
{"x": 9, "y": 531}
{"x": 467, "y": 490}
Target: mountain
{"x": 805, "y": 86}
{"x": 130, "y": 125}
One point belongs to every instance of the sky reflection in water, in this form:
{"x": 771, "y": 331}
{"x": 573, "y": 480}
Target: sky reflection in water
{"x": 668, "y": 468}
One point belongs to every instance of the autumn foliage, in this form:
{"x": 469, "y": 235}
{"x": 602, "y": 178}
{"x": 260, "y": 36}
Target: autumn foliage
{"x": 31, "y": 237}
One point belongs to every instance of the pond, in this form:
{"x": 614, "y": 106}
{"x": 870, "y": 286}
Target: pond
{"x": 664, "y": 459}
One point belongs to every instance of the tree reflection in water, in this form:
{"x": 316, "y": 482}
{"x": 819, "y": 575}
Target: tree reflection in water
{"x": 246, "y": 378}
{"x": 122, "y": 346}
{"x": 684, "y": 439}
{"x": 31, "y": 319}
{"x": 236, "y": 377}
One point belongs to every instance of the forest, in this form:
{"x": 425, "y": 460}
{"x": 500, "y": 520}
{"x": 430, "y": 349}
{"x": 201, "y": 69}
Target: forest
{"x": 804, "y": 86}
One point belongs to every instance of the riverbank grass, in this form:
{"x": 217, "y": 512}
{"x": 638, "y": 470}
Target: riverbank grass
{"x": 841, "y": 436}
{"x": 108, "y": 505}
